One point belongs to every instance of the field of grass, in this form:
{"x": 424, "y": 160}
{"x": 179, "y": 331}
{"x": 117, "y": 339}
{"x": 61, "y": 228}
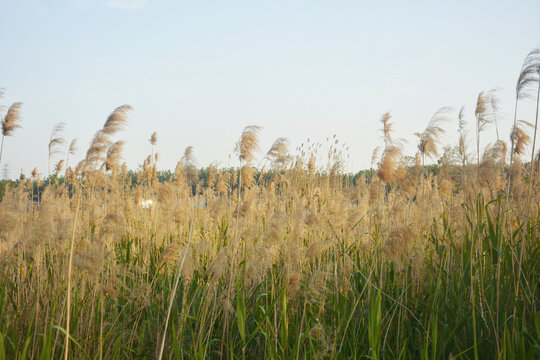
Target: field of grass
{"x": 290, "y": 260}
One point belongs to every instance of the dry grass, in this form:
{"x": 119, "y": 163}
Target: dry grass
{"x": 292, "y": 260}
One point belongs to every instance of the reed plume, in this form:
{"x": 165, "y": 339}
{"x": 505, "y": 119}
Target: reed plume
{"x": 153, "y": 138}
{"x": 212, "y": 176}
{"x": 520, "y": 138}
{"x": 10, "y": 123}
{"x": 399, "y": 243}
{"x": 483, "y": 115}
{"x": 311, "y": 164}
{"x": 72, "y": 150}
{"x": 248, "y": 144}
{"x": 279, "y": 153}
{"x": 501, "y": 148}
{"x": 222, "y": 184}
{"x": 430, "y": 137}
{"x": 392, "y": 151}
{"x": 494, "y": 103}
{"x": 153, "y": 142}
{"x": 189, "y": 165}
{"x": 55, "y": 142}
{"x": 59, "y": 166}
{"x": 487, "y": 170}
{"x": 387, "y": 129}
{"x": 112, "y": 161}
{"x": 97, "y": 148}
{"x": 533, "y": 77}
{"x": 529, "y": 75}
{"x": 388, "y": 164}
{"x": 116, "y": 121}
{"x": 374, "y": 156}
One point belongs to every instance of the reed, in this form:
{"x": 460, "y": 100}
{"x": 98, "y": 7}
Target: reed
{"x": 290, "y": 259}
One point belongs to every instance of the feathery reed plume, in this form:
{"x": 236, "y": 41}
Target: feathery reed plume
{"x": 417, "y": 159}
{"x": 153, "y": 142}
{"x": 529, "y": 74}
{"x": 531, "y": 77}
{"x": 494, "y": 103}
{"x": 279, "y": 152}
{"x": 387, "y": 128}
{"x": 10, "y": 123}
{"x": 112, "y": 161}
{"x": 190, "y": 166}
{"x": 389, "y": 163}
{"x": 212, "y": 176}
{"x": 153, "y": 138}
{"x": 487, "y": 170}
{"x": 248, "y": 144}
{"x": 535, "y": 64}
{"x": 101, "y": 141}
{"x": 59, "y": 166}
{"x": 55, "y": 141}
{"x": 72, "y": 149}
{"x": 520, "y": 138}
{"x": 248, "y": 175}
{"x": 399, "y": 243}
{"x": 188, "y": 155}
{"x": 432, "y": 134}
{"x": 483, "y": 116}
{"x": 374, "y": 156}
{"x": 165, "y": 193}
{"x": 501, "y": 148}
{"x": 222, "y": 184}
{"x": 392, "y": 151}
{"x": 311, "y": 164}
{"x": 97, "y": 148}
{"x": 117, "y": 120}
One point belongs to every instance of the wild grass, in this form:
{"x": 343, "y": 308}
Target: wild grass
{"x": 291, "y": 259}
{"x": 316, "y": 271}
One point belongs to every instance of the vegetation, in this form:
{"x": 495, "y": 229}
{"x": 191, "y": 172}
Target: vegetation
{"x": 287, "y": 260}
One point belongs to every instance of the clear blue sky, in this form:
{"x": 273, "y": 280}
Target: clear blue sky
{"x": 198, "y": 72}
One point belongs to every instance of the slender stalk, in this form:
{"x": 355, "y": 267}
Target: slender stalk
{"x": 176, "y": 281}
{"x": 2, "y": 148}
{"x": 71, "y": 248}
{"x": 531, "y": 175}
{"x": 477, "y": 151}
{"x": 531, "y": 179}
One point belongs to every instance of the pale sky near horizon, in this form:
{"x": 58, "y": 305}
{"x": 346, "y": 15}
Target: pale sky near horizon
{"x": 198, "y": 72}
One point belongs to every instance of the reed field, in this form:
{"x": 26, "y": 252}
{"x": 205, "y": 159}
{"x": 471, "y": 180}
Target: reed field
{"x": 435, "y": 255}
